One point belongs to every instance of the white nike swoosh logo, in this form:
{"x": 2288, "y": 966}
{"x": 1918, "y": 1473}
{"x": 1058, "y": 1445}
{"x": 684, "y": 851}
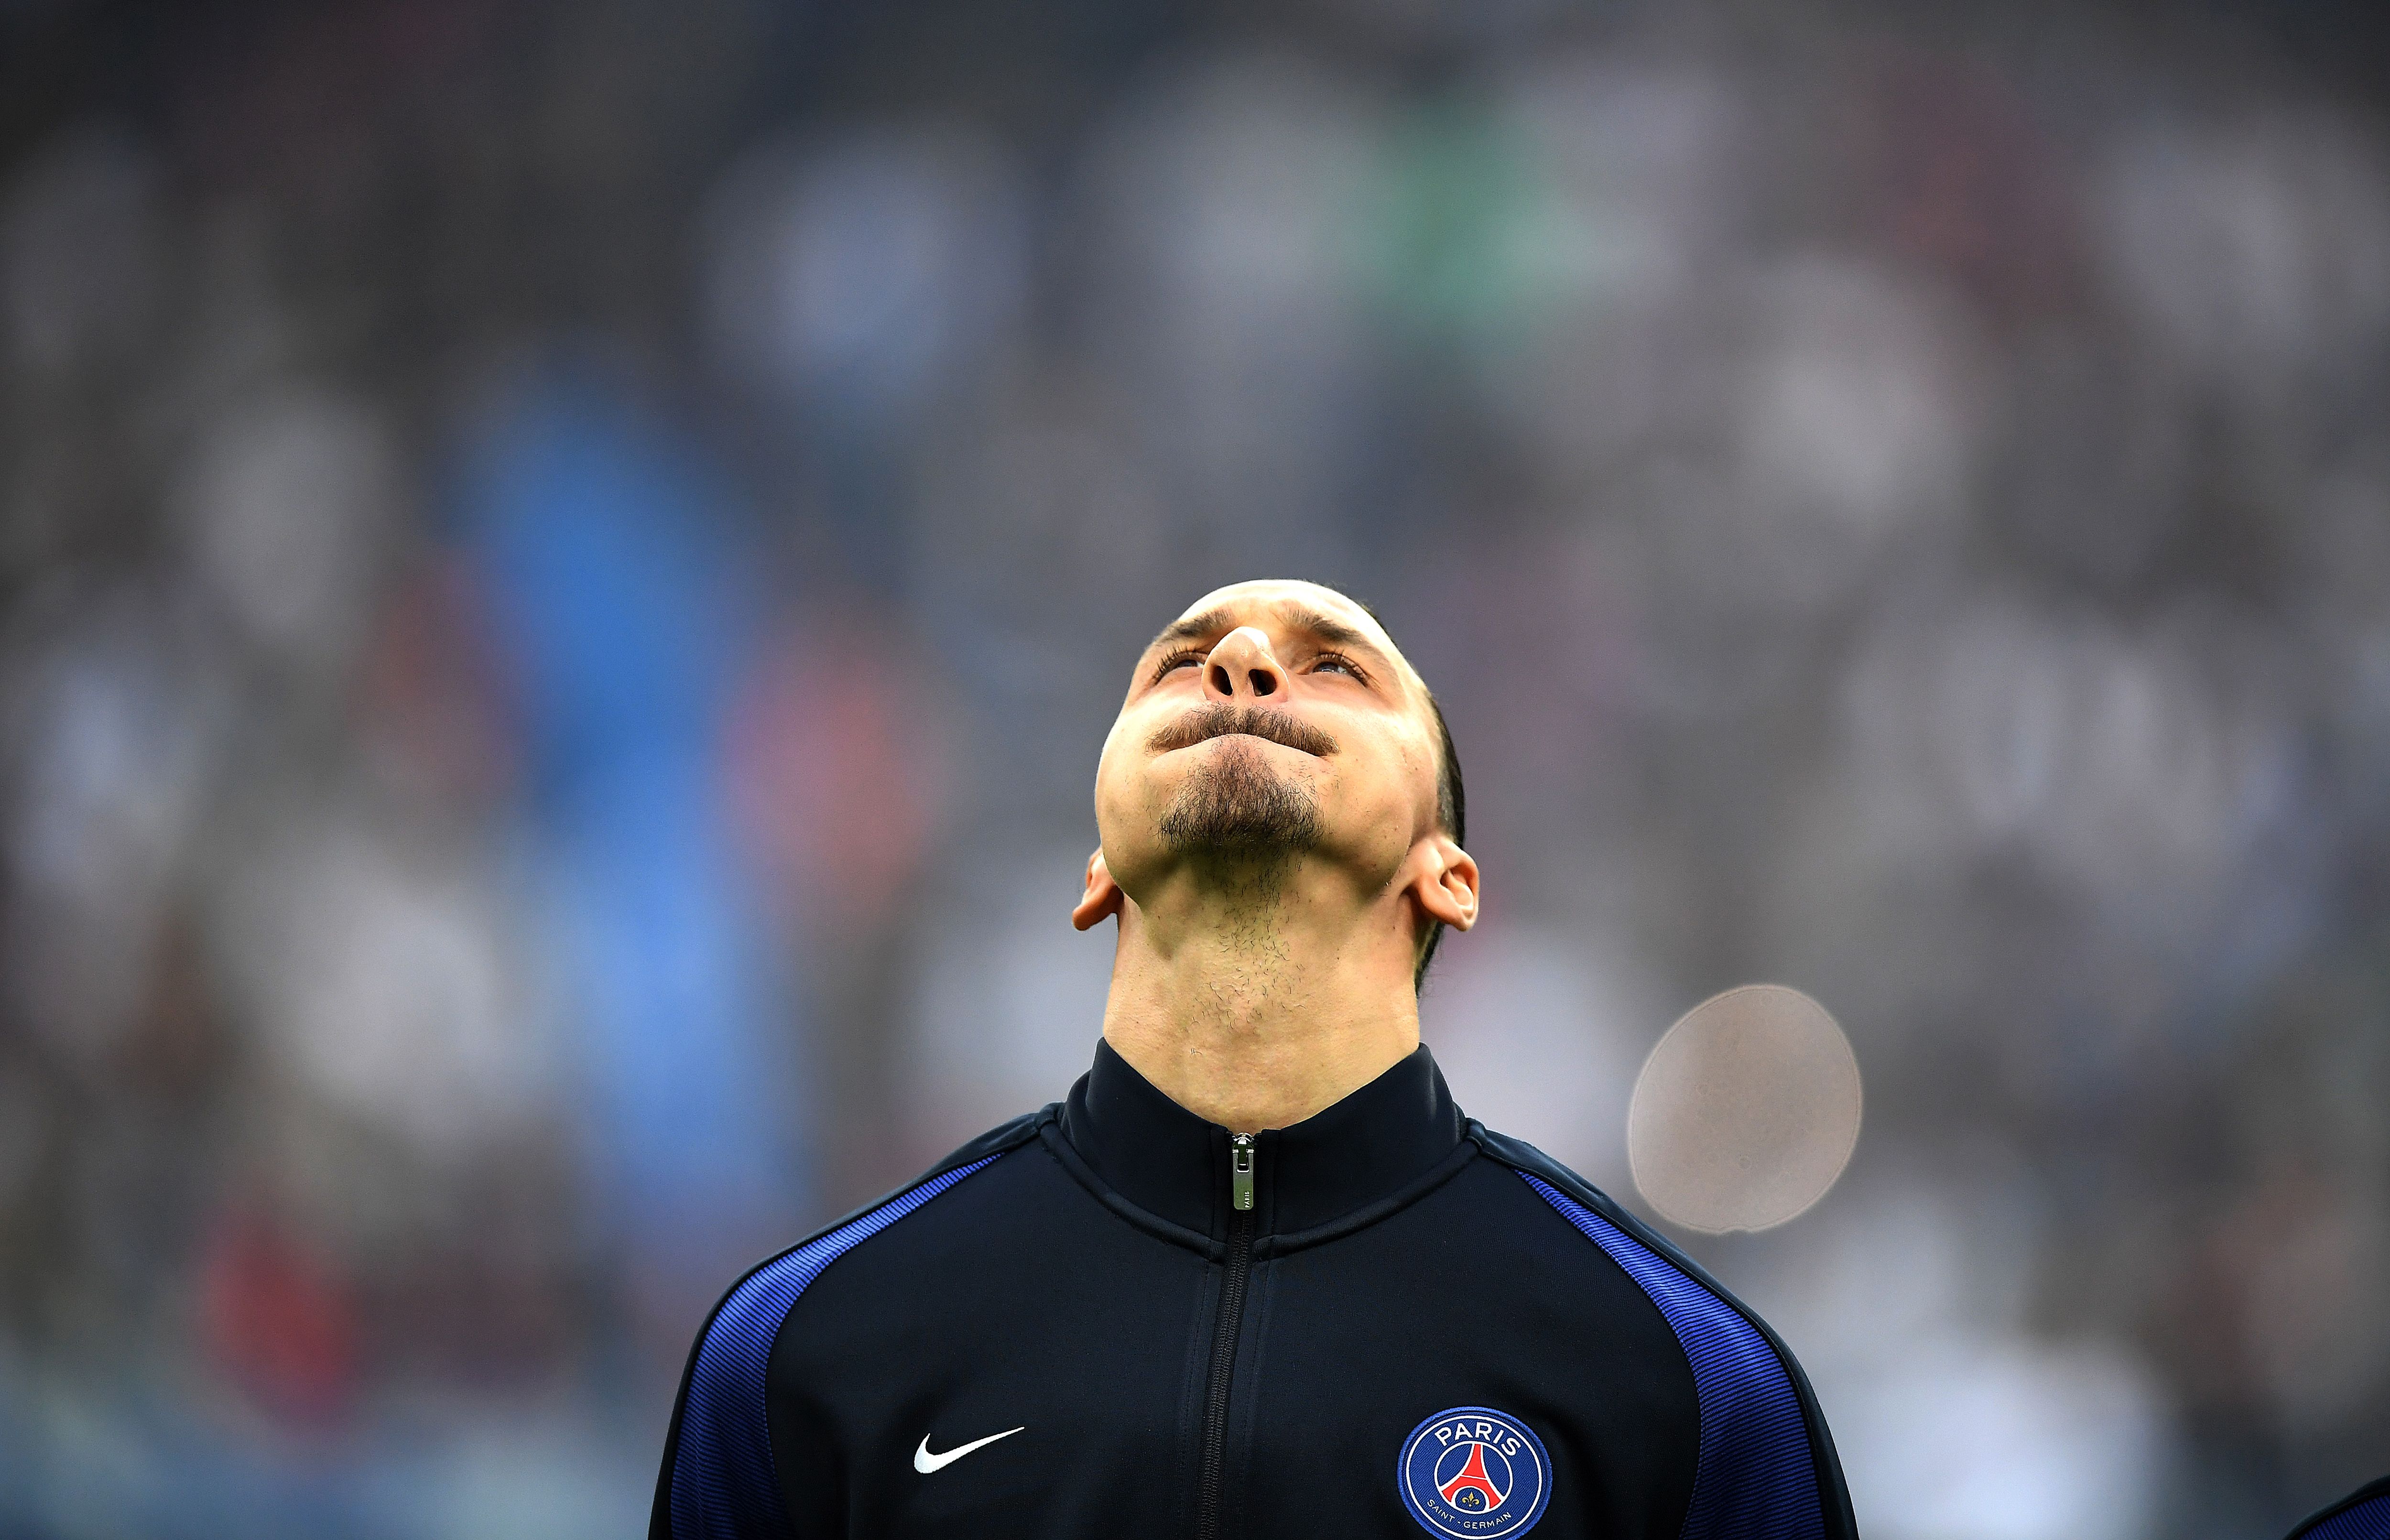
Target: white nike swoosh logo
{"x": 925, "y": 1462}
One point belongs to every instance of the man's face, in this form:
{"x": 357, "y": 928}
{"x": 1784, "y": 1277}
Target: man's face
{"x": 1271, "y": 720}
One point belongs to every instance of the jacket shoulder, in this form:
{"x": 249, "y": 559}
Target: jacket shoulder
{"x": 2363, "y": 1514}
{"x": 1767, "y": 1460}
{"x": 1543, "y": 1172}
{"x": 717, "y": 1479}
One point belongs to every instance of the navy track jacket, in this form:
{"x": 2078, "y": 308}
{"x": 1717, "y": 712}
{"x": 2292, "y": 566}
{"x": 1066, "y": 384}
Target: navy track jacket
{"x": 1113, "y": 1318}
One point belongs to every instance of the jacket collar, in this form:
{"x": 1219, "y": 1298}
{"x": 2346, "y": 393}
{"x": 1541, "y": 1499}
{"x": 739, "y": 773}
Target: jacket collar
{"x": 1171, "y": 1163}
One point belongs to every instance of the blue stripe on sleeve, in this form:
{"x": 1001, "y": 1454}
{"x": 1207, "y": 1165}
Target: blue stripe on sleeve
{"x": 1756, "y": 1479}
{"x": 2367, "y": 1520}
{"x": 723, "y": 1484}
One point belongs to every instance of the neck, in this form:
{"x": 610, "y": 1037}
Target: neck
{"x": 1256, "y": 1000}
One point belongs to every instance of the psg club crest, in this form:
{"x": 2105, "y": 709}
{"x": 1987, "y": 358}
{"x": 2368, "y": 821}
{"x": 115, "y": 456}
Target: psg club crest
{"x": 1474, "y": 1474}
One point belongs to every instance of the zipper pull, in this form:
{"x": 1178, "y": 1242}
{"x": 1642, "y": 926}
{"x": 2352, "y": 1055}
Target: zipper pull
{"x": 1240, "y": 1171}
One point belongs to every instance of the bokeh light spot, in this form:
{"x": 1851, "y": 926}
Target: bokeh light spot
{"x": 1745, "y": 1112}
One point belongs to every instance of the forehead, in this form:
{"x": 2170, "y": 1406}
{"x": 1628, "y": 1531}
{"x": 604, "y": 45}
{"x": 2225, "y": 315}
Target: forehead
{"x": 1288, "y": 601}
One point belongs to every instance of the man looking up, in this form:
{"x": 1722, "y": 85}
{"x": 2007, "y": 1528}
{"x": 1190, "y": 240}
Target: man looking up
{"x": 1279, "y": 848}
{"x": 1257, "y": 1275}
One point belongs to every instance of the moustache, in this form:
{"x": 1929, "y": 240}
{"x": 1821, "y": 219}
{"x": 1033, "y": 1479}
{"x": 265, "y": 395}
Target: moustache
{"x": 1215, "y": 720}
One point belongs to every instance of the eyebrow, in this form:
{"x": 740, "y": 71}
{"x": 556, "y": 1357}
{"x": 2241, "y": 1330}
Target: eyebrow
{"x": 1211, "y": 623}
{"x": 1327, "y": 628}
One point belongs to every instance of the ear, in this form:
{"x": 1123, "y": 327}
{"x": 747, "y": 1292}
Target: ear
{"x": 1444, "y": 884}
{"x": 1103, "y": 898}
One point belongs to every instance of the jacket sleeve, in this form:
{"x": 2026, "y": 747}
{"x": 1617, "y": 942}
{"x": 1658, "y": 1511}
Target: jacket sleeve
{"x": 717, "y": 1481}
{"x": 1835, "y": 1518}
{"x": 1767, "y": 1460}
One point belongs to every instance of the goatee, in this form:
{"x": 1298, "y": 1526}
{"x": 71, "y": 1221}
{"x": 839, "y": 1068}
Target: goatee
{"x": 1234, "y": 804}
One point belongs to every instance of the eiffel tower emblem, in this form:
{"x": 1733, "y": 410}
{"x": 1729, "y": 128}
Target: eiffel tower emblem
{"x": 1472, "y": 1491}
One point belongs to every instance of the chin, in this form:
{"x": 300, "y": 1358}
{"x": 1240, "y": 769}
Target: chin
{"x": 1234, "y": 801}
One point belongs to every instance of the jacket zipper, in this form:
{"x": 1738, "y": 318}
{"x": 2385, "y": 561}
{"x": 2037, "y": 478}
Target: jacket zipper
{"x": 1223, "y": 1333}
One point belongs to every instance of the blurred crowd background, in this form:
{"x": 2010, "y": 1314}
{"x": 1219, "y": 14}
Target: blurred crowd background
{"x": 564, "y": 566}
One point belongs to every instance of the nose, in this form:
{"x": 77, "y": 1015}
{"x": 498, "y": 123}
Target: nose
{"x": 1242, "y": 669}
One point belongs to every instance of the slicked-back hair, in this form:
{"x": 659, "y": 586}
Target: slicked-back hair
{"x": 1451, "y": 798}
{"x": 1451, "y": 815}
